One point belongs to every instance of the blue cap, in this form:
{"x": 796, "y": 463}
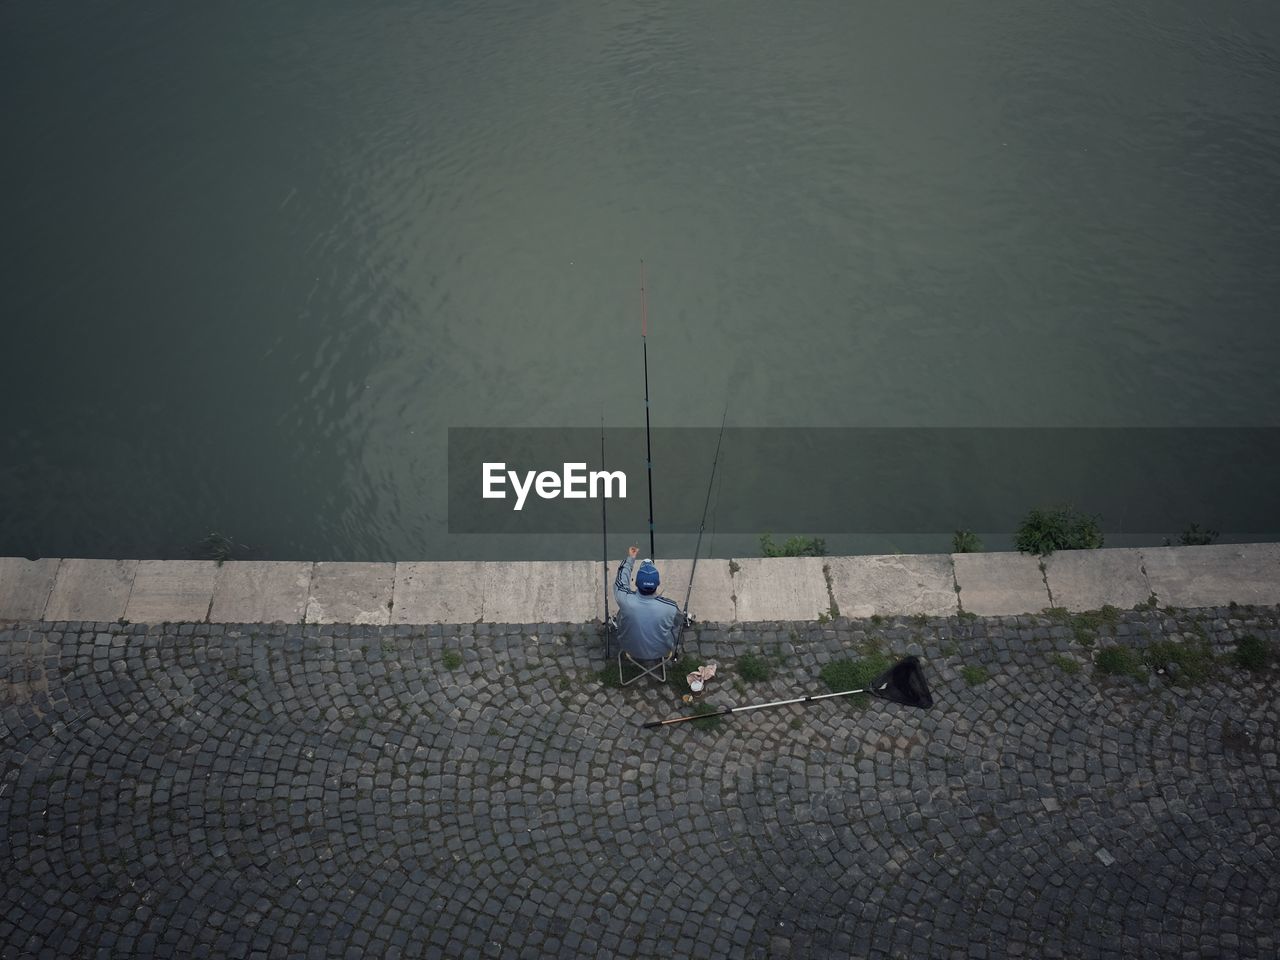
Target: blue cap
{"x": 647, "y": 578}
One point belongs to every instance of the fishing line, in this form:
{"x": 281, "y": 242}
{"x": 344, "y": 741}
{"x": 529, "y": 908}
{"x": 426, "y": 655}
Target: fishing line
{"x": 648, "y": 444}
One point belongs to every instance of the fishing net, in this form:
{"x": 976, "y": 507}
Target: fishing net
{"x": 904, "y": 683}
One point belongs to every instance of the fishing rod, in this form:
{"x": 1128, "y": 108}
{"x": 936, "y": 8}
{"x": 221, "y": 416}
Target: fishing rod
{"x": 715, "y": 461}
{"x": 903, "y": 683}
{"x": 648, "y": 447}
{"x": 604, "y": 552}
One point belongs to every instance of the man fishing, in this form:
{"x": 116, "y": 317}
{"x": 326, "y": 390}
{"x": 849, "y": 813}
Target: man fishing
{"x": 646, "y": 622}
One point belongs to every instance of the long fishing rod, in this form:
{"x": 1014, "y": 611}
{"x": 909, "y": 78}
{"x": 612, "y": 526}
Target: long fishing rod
{"x": 725, "y": 711}
{"x": 903, "y": 683}
{"x": 715, "y": 461}
{"x": 648, "y": 447}
{"x": 604, "y": 552}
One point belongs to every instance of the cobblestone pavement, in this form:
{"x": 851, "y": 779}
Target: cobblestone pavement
{"x": 478, "y": 791}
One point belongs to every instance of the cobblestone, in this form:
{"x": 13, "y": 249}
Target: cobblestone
{"x": 333, "y": 790}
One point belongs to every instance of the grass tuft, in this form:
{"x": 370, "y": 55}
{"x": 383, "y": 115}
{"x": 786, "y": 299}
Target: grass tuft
{"x": 1058, "y": 528}
{"x": 793, "y": 546}
{"x": 753, "y": 669}
{"x": 1252, "y": 653}
{"x": 451, "y": 659}
{"x": 974, "y": 675}
{"x": 841, "y": 675}
{"x": 706, "y": 716}
{"x": 1085, "y": 626}
{"x": 1191, "y": 662}
{"x": 1120, "y": 662}
{"x": 1066, "y": 664}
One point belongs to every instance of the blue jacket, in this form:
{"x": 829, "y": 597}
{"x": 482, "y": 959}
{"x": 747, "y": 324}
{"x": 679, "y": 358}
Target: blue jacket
{"x": 646, "y": 624}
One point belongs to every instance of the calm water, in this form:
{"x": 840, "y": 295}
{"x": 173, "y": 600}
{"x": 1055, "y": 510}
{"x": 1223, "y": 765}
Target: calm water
{"x": 259, "y": 257}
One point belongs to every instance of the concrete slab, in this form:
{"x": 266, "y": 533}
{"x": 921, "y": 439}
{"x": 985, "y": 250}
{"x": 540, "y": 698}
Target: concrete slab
{"x": 91, "y": 590}
{"x": 171, "y": 591}
{"x": 351, "y": 593}
{"x": 1000, "y": 584}
{"x": 1091, "y": 579}
{"x": 1214, "y": 575}
{"x": 780, "y": 588}
{"x": 25, "y": 586}
{"x": 712, "y": 597}
{"x": 888, "y": 585}
{"x": 542, "y": 592}
{"x": 439, "y": 592}
{"x": 261, "y": 591}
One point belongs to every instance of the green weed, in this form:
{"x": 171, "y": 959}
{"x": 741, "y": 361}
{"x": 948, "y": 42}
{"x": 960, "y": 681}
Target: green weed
{"x": 753, "y": 669}
{"x": 974, "y": 675}
{"x": 708, "y": 716}
{"x": 220, "y": 548}
{"x": 609, "y": 676}
{"x": 1057, "y": 528}
{"x": 1066, "y": 664}
{"x": 1252, "y": 653}
{"x": 1193, "y": 662}
{"x": 1120, "y": 661}
{"x": 1193, "y": 536}
{"x": 841, "y": 675}
{"x": 793, "y": 547}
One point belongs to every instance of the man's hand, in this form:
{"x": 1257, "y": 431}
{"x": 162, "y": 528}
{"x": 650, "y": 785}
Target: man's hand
{"x": 633, "y": 551}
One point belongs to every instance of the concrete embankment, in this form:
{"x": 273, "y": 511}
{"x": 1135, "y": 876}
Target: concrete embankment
{"x": 741, "y": 590}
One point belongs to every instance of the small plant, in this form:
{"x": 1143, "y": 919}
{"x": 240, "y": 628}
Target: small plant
{"x": 609, "y": 677}
{"x": 1120, "y": 662}
{"x": 1058, "y": 528}
{"x": 1151, "y": 603}
{"x": 1085, "y": 626}
{"x": 220, "y": 548}
{"x": 793, "y": 547}
{"x": 841, "y": 675}
{"x": 753, "y": 669}
{"x": 1066, "y": 664}
{"x": 451, "y": 659}
{"x": 920, "y": 619}
{"x": 824, "y": 616}
{"x": 1252, "y": 653}
{"x": 965, "y": 541}
{"x": 708, "y": 716}
{"x": 1193, "y": 536}
{"x": 1185, "y": 663}
{"x": 968, "y": 615}
{"x": 974, "y": 675}
{"x": 877, "y": 619}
